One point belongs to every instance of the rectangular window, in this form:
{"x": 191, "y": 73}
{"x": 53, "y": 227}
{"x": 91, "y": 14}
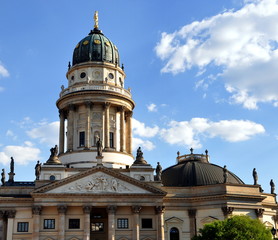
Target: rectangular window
{"x": 97, "y": 227}
{"x": 81, "y": 139}
{"x": 74, "y": 223}
{"x": 111, "y": 140}
{"x": 49, "y": 224}
{"x": 147, "y": 223}
{"x": 122, "y": 223}
{"x": 22, "y": 226}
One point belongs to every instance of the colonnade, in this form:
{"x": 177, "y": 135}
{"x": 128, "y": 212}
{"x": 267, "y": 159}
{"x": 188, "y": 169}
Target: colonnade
{"x": 69, "y": 115}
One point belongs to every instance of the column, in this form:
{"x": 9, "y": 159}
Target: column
{"x": 86, "y": 211}
{"x": 136, "y": 222}
{"x": 88, "y": 125}
{"x": 36, "y": 223}
{"x": 160, "y": 221}
{"x": 111, "y": 210}
{"x": 122, "y": 129}
{"x": 192, "y": 222}
{"x": 11, "y": 216}
{"x": 70, "y": 128}
{"x": 106, "y": 124}
{"x": 2, "y": 225}
{"x": 62, "y": 209}
{"x": 129, "y": 132}
{"x": 227, "y": 211}
{"x": 62, "y": 132}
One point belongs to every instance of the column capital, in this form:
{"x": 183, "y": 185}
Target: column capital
{"x": 62, "y": 112}
{"x": 71, "y": 107}
{"x": 36, "y": 210}
{"x": 62, "y": 208}
{"x": 192, "y": 212}
{"x": 129, "y": 114}
{"x": 87, "y": 209}
{"x": 159, "y": 209}
{"x": 259, "y": 212}
{"x": 136, "y": 209}
{"x": 11, "y": 213}
{"x": 89, "y": 104}
{"x": 227, "y": 210}
{"x": 111, "y": 209}
{"x": 106, "y": 105}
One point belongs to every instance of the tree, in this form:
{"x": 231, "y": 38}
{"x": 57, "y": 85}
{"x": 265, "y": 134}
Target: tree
{"x": 235, "y": 228}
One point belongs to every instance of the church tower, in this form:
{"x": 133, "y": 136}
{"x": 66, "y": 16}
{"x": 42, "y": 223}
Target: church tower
{"x": 95, "y": 106}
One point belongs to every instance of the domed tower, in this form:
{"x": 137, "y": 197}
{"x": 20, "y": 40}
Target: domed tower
{"x": 96, "y": 106}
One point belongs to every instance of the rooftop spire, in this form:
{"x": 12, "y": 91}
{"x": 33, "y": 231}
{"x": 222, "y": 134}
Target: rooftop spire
{"x": 96, "y": 19}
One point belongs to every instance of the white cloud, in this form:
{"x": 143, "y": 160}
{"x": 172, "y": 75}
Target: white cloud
{"x": 144, "y": 144}
{"x": 3, "y": 71}
{"x": 141, "y": 130}
{"x": 22, "y": 154}
{"x": 46, "y": 133}
{"x": 10, "y": 133}
{"x": 189, "y": 133}
{"x": 152, "y": 107}
{"x": 242, "y": 45}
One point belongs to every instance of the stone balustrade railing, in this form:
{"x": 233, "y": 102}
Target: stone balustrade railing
{"x": 95, "y": 87}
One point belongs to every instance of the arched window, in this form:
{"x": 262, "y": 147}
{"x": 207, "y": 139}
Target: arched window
{"x": 174, "y": 234}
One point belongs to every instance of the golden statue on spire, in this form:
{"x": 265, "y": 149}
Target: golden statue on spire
{"x": 96, "y": 19}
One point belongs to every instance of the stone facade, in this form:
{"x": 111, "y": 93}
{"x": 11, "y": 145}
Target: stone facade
{"x": 99, "y": 191}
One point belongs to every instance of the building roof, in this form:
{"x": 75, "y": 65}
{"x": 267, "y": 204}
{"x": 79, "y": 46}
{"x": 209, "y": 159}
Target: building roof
{"x": 95, "y": 48}
{"x": 195, "y": 170}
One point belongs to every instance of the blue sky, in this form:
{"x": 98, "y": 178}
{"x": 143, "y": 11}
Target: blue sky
{"x": 203, "y": 74}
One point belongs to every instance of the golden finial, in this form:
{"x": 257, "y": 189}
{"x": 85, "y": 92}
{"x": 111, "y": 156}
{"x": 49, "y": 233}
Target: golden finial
{"x": 96, "y": 19}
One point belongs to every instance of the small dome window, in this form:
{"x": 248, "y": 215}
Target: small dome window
{"x": 52, "y": 178}
{"x": 110, "y": 75}
{"x": 72, "y": 77}
{"x": 83, "y": 74}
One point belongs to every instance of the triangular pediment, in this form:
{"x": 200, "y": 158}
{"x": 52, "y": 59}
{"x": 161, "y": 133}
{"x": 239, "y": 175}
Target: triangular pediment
{"x": 174, "y": 220}
{"x": 208, "y": 219}
{"x": 99, "y": 180}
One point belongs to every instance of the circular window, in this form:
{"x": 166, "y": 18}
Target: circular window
{"x": 110, "y": 75}
{"x": 82, "y": 75}
{"x": 52, "y": 178}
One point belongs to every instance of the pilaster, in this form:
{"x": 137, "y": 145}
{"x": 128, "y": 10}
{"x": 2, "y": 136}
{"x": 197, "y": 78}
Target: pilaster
{"x": 86, "y": 211}
{"x": 36, "y": 210}
{"x": 88, "y": 125}
{"x": 192, "y": 222}
{"x": 136, "y": 222}
{"x": 111, "y": 210}
{"x": 11, "y": 216}
{"x": 160, "y": 221}
{"x": 62, "y": 209}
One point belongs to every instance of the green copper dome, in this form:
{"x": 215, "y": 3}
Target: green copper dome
{"x": 95, "y": 48}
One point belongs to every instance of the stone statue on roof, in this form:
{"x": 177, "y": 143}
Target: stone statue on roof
{"x": 255, "y": 176}
{"x": 158, "y": 171}
{"x": 225, "y": 174}
{"x": 3, "y": 177}
{"x": 38, "y": 168}
{"x": 272, "y": 187}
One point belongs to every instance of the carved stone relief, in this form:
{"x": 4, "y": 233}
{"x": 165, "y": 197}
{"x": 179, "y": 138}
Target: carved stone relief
{"x": 100, "y": 183}
{"x": 97, "y": 116}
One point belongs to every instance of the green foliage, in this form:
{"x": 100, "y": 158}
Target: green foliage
{"x": 235, "y": 228}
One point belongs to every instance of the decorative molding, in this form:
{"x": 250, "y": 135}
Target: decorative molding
{"x": 11, "y": 213}
{"x": 227, "y": 210}
{"x": 87, "y": 209}
{"x": 111, "y": 209}
{"x": 136, "y": 209}
{"x": 192, "y": 213}
{"x": 159, "y": 209}
{"x": 36, "y": 210}
{"x": 259, "y": 212}
{"x": 62, "y": 208}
